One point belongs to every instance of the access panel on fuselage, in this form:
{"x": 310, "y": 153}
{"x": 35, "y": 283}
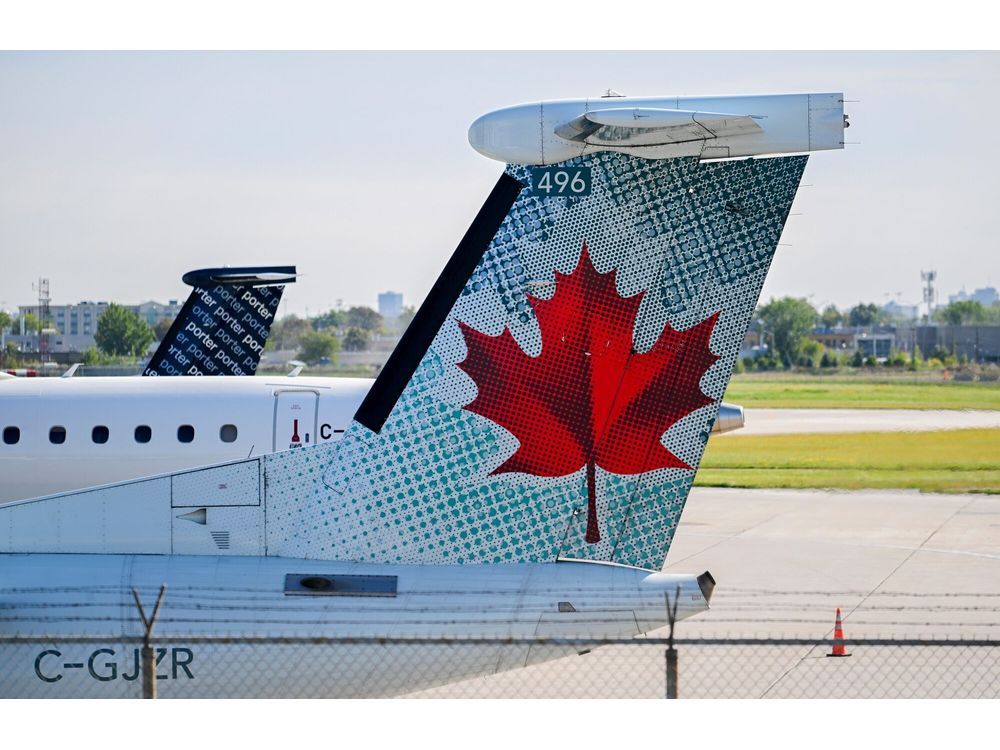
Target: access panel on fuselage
{"x": 295, "y": 414}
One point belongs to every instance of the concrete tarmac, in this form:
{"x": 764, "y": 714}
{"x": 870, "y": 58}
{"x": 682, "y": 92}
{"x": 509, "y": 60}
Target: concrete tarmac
{"x": 899, "y": 564}
{"x": 797, "y": 421}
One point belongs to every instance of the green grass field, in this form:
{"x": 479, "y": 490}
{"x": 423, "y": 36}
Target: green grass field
{"x": 945, "y": 461}
{"x": 821, "y": 393}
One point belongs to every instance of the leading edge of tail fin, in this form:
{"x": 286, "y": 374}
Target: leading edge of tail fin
{"x": 554, "y": 395}
{"x": 222, "y": 328}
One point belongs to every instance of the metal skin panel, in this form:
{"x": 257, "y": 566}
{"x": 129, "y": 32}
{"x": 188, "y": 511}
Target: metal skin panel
{"x": 232, "y": 484}
{"x": 128, "y": 518}
{"x": 233, "y": 530}
{"x": 205, "y": 594}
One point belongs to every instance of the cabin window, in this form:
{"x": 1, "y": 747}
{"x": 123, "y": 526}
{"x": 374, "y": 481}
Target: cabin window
{"x": 228, "y": 433}
{"x": 100, "y": 434}
{"x": 12, "y": 435}
{"x": 185, "y": 433}
{"x": 143, "y": 433}
{"x": 57, "y": 435}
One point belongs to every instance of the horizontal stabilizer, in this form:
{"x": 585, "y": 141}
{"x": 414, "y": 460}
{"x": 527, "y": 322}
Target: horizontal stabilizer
{"x": 708, "y": 127}
{"x": 248, "y": 276}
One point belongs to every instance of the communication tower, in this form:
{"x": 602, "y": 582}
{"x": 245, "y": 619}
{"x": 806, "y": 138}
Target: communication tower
{"x": 44, "y": 301}
{"x": 930, "y": 293}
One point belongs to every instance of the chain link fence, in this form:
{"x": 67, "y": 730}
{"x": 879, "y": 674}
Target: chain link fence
{"x": 297, "y": 667}
{"x": 114, "y": 642}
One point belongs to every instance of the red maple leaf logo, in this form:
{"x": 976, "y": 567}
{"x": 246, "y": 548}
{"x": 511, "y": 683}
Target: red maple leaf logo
{"x": 589, "y": 399}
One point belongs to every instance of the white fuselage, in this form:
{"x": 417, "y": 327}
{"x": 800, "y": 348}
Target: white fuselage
{"x": 115, "y": 429}
{"x": 80, "y": 605}
{"x": 263, "y": 410}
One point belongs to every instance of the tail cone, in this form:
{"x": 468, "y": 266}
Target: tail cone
{"x": 838, "y": 638}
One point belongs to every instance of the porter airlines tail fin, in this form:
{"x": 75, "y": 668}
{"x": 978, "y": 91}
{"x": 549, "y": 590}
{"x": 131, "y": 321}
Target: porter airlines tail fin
{"x": 222, "y": 327}
{"x": 553, "y": 396}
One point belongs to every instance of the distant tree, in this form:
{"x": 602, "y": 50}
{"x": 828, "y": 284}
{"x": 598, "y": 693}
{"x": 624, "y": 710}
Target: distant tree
{"x": 356, "y": 340}
{"x": 864, "y": 315}
{"x": 788, "y": 320}
{"x": 285, "y": 333}
{"x": 407, "y": 315}
{"x": 831, "y": 317}
{"x": 810, "y": 353}
{"x": 940, "y": 353}
{"x": 121, "y": 332}
{"x": 398, "y": 324}
{"x": 828, "y": 360}
{"x": 896, "y": 358}
{"x": 162, "y": 328}
{"x": 329, "y": 319}
{"x": 364, "y": 318}
{"x": 315, "y": 345}
{"x": 5, "y": 320}
{"x": 32, "y": 325}
{"x": 962, "y": 313}
{"x": 93, "y": 357}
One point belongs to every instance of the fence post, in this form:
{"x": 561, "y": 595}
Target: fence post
{"x": 148, "y": 660}
{"x": 672, "y": 675}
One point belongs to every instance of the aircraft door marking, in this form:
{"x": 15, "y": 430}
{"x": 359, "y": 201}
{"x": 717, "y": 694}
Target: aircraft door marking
{"x": 295, "y": 417}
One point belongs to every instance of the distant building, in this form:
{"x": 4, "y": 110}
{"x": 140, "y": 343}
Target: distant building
{"x": 985, "y": 296}
{"x": 390, "y": 305}
{"x": 72, "y": 320}
{"x": 976, "y": 343}
{"x": 840, "y": 340}
{"x": 77, "y": 324}
{"x": 154, "y": 312}
{"x": 878, "y": 345}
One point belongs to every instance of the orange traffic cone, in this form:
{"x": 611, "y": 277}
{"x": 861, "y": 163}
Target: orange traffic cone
{"x": 838, "y": 638}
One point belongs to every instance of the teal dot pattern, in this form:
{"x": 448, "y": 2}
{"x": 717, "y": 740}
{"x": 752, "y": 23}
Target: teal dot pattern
{"x": 698, "y": 238}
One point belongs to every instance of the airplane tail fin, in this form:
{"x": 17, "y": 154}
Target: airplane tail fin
{"x": 222, "y": 328}
{"x": 553, "y": 396}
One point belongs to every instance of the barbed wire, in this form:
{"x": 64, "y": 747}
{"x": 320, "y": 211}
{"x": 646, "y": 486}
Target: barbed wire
{"x": 176, "y": 591}
{"x": 377, "y": 640}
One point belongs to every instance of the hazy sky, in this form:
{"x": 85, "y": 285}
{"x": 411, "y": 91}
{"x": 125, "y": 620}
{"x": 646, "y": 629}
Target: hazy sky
{"x": 121, "y": 171}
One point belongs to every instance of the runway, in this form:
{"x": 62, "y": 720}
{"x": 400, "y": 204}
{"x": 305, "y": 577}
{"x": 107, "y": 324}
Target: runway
{"x": 895, "y": 562}
{"x": 794, "y": 421}
{"x": 899, "y": 564}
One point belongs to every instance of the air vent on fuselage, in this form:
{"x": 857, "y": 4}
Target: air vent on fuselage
{"x": 221, "y": 539}
{"x": 321, "y": 584}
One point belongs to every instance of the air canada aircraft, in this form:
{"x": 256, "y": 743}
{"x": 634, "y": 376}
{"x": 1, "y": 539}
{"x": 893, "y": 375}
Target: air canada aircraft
{"x": 517, "y": 469}
{"x": 62, "y": 434}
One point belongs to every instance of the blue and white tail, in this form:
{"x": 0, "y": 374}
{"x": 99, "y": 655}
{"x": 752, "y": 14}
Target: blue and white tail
{"x": 222, "y": 328}
{"x": 554, "y": 393}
